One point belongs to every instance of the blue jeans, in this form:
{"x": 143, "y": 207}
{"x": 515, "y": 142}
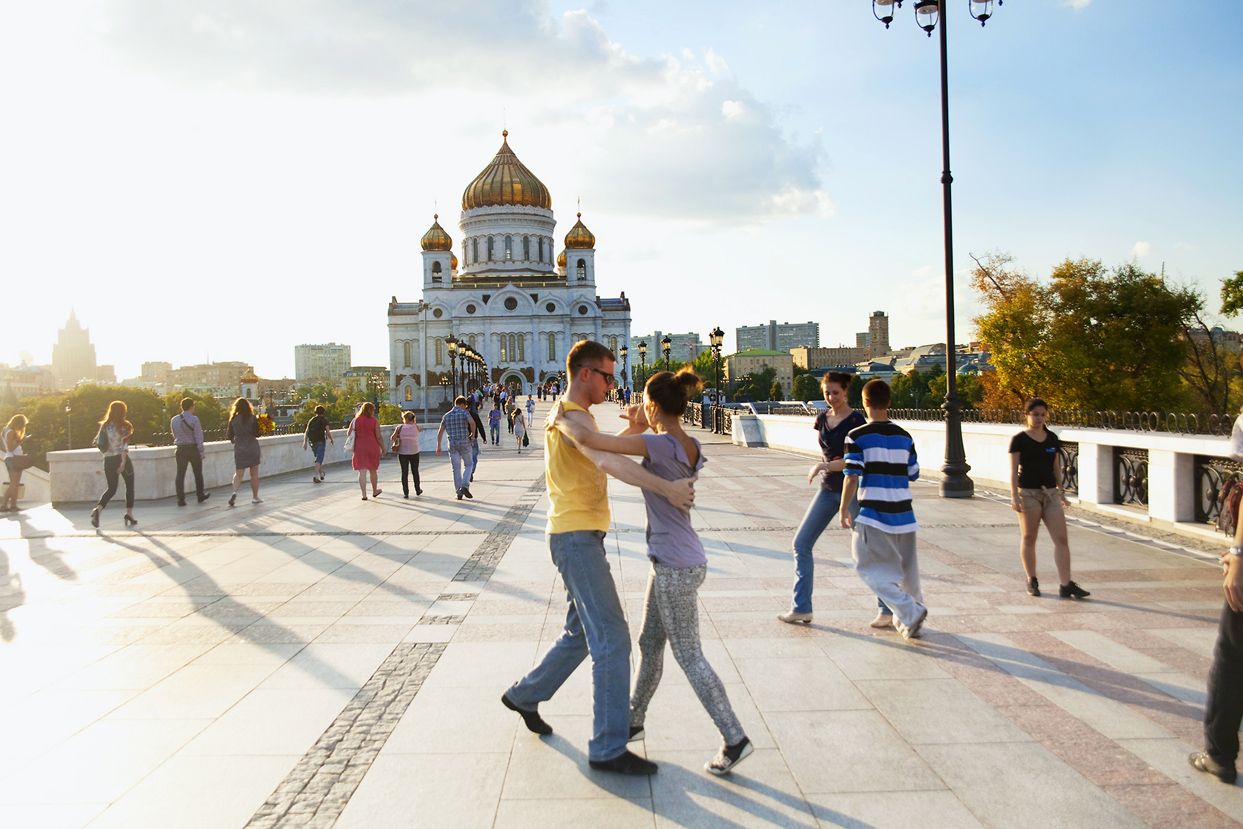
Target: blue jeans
{"x": 459, "y": 459}
{"x": 819, "y": 513}
{"x": 595, "y": 624}
{"x": 496, "y": 433}
{"x": 474, "y": 458}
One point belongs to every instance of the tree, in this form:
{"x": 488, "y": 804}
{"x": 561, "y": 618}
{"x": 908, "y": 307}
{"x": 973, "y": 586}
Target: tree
{"x": 756, "y": 385}
{"x": 206, "y": 408}
{"x": 1232, "y": 295}
{"x": 806, "y": 387}
{"x": 775, "y": 393}
{"x": 970, "y": 390}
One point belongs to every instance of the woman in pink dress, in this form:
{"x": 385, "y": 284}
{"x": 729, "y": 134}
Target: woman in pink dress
{"x": 368, "y": 449}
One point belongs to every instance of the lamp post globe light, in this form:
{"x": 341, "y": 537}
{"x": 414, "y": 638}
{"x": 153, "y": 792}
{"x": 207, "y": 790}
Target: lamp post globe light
{"x": 643, "y": 361}
{"x": 930, "y": 15}
{"x": 666, "y": 345}
{"x": 452, "y": 342}
{"x": 717, "y": 339}
{"x": 623, "y": 351}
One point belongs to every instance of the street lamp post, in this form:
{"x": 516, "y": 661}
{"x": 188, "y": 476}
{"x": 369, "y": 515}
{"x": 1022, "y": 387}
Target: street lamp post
{"x": 666, "y": 345}
{"x": 643, "y": 361}
{"x": 68, "y": 428}
{"x": 928, "y": 13}
{"x": 717, "y": 338}
{"x": 623, "y": 351}
{"x": 452, "y": 342}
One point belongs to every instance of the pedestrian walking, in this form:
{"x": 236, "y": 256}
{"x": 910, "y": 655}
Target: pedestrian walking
{"x": 578, "y": 518}
{"x": 509, "y": 417}
{"x": 520, "y": 428}
{"x": 243, "y": 430}
{"x": 880, "y": 463}
{"x": 187, "y": 434}
{"x": 368, "y": 449}
{"x": 460, "y": 428}
{"x": 406, "y": 445}
{"x": 1037, "y": 494}
{"x": 530, "y": 409}
{"x": 113, "y": 440}
{"x": 317, "y": 436}
{"x": 15, "y": 459}
{"x": 679, "y": 563}
{"x": 494, "y": 423}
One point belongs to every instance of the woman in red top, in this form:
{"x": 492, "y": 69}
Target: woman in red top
{"x": 368, "y": 449}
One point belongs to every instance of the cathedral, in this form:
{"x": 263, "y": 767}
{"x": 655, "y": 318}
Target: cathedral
{"x": 508, "y": 297}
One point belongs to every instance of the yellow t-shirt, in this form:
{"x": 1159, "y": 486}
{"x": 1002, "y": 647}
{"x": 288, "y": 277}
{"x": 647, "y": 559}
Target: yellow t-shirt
{"x": 577, "y": 488}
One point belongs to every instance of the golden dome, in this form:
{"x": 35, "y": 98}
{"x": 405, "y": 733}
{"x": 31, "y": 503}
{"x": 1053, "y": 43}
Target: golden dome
{"x": 249, "y": 376}
{"x": 579, "y": 236}
{"x": 506, "y": 181}
{"x": 435, "y": 238}
{"x": 561, "y": 259}
{"x": 453, "y": 260}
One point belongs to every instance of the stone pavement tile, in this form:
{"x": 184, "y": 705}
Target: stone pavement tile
{"x": 873, "y": 657}
{"x": 363, "y": 634}
{"x": 432, "y": 790}
{"x": 802, "y": 647}
{"x": 198, "y": 793}
{"x": 1110, "y": 652}
{"x": 42, "y": 720}
{"x": 938, "y": 711}
{"x": 283, "y": 632}
{"x": 799, "y": 685}
{"x": 482, "y": 664}
{"x": 502, "y": 632}
{"x": 555, "y": 768}
{"x": 50, "y": 816}
{"x": 431, "y": 633}
{"x": 195, "y": 692}
{"x": 249, "y": 653}
{"x": 621, "y": 813}
{"x": 98, "y": 771}
{"x": 676, "y": 719}
{"x": 270, "y": 722}
{"x": 1023, "y": 784}
{"x": 456, "y": 720}
{"x": 134, "y": 666}
{"x": 892, "y": 810}
{"x": 848, "y": 751}
{"x": 318, "y": 666}
{"x": 760, "y": 793}
{"x": 1199, "y": 641}
{"x": 1169, "y": 757}
{"x": 1170, "y": 805}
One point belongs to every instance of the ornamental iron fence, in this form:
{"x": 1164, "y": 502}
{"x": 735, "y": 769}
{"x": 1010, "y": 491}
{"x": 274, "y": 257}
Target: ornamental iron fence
{"x": 1131, "y": 476}
{"x": 1069, "y": 454}
{"x": 1177, "y": 423}
{"x": 1212, "y": 475}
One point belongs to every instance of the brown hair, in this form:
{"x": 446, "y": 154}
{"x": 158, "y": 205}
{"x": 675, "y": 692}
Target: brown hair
{"x": 241, "y": 406}
{"x": 319, "y": 410}
{"x": 840, "y": 377}
{"x": 18, "y": 424}
{"x": 459, "y": 401}
{"x": 187, "y": 403}
{"x": 368, "y": 410}
{"x": 116, "y": 416}
{"x": 408, "y": 416}
{"x": 1035, "y": 403}
{"x": 671, "y": 392}
{"x": 876, "y": 393}
{"x": 584, "y": 353}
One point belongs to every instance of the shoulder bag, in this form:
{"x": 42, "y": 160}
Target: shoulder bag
{"x": 396, "y": 439}
{"x": 348, "y": 446}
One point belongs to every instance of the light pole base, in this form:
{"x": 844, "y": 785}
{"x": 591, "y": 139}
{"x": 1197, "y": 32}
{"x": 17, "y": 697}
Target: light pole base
{"x": 956, "y": 485}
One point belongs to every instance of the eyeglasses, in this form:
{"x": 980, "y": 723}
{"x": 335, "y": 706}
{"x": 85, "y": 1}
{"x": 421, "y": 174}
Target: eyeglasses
{"x": 609, "y": 380}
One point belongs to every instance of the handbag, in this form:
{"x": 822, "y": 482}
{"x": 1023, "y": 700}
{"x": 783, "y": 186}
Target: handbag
{"x": 23, "y": 461}
{"x": 526, "y": 441}
{"x": 348, "y": 446}
{"x": 101, "y": 440}
{"x": 396, "y": 439}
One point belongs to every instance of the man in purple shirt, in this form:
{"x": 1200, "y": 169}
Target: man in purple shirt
{"x": 188, "y": 436}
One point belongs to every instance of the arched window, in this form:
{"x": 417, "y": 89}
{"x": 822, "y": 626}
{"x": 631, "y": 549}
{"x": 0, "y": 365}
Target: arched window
{"x": 440, "y": 351}
{"x": 581, "y": 270}
{"x": 474, "y": 250}
{"x": 490, "y": 252}
{"x": 407, "y": 353}
{"x": 521, "y": 347}
{"x": 504, "y": 349}
{"x": 526, "y": 247}
{"x": 509, "y": 248}
{"x": 435, "y": 272}
{"x": 541, "y": 248}
{"x": 552, "y": 347}
{"x": 613, "y": 344}
{"x": 471, "y": 340}
{"x": 409, "y": 394}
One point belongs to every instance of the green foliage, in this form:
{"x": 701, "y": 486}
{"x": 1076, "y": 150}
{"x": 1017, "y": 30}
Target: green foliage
{"x": 50, "y": 424}
{"x": 1232, "y": 295}
{"x": 206, "y": 408}
{"x": 756, "y": 385}
{"x": 775, "y": 393}
{"x": 970, "y": 390}
{"x": 806, "y": 387}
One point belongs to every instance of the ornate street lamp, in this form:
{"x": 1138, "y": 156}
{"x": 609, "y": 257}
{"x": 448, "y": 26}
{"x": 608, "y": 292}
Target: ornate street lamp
{"x": 623, "y": 351}
{"x": 928, "y": 14}
{"x": 68, "y": 428}
{"x": 717, "y": 339}
{"x": 666, "y": 345}
{"x": 643, "y": 363}
{"x": 452, "y": 342}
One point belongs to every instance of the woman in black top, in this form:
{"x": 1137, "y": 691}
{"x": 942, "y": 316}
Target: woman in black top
{"x": 1036, "y": 494}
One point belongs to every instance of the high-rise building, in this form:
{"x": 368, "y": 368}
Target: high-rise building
{"x": 73, "y": 356}
{"x": 326, "y": 362}
{"x": 774, "y": 337}
{"x": 156, "y": 372}
{"x": 682, "y": 347}
{"x": 878, "y": 335}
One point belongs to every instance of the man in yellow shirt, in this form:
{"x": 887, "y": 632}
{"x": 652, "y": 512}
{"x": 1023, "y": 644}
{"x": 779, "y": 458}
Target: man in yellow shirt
{"x": 578, "y": 518}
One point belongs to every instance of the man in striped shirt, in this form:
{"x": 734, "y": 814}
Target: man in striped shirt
{"x": 880, "y": 463}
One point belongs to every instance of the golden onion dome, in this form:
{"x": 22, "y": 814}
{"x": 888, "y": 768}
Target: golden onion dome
{"x": 561, "y": 259}
{"x": 453, "y": 260}
{"x": 579, "y": 236}
{"x": 506, "y": 181}
{"x": 435, "y": 238}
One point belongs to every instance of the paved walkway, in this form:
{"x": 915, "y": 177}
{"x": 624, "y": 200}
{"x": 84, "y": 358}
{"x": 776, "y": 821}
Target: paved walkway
{"x": 321, "y": 661}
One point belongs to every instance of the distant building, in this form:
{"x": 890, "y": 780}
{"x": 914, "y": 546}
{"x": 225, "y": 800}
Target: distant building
{"x": 843, "y": 355}
{"x": 682, "y": 347}
{"x": 210, "y": 376}
{"x": 324, "y": 363}
{"x": 922, "y": 359}
{"x": 878, "y": 335}
{"x": 371, "y": 379}
{"x": 156, "y": 372}
{"x": 774, "y": 337}
{"x": 1222, "y": 337}
{"x": 73, "y": 356}
{"x": 24, "y": 381}
{"x": 754, "y": 360}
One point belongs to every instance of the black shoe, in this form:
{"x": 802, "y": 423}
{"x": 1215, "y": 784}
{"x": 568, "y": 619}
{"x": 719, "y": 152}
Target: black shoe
{"x": 233, "y": 499}
{"x": 1033, "y": 587}
{"x": 729, "y": 756}
{"x": 636, "y": 733}
{"x": 1202, "y": 762}
{"x": 204, "y": 498}
{"x": 418, "y": 491}
{"x": 625, "y": 763}
{"x": 459, "y": 494}
{"x": 181, "y": 503}
{"x": 533, "y": 720}
{"x": 95, "y": 517}
{"x": 466, "y": 492}
{"x": 1070, "y": 590}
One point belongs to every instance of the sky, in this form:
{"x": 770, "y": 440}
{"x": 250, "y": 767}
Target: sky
{"x": 226, "y": 180}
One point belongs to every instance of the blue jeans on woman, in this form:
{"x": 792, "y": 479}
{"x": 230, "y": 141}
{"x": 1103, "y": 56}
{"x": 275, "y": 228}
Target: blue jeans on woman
{"x": 820, "y": 512}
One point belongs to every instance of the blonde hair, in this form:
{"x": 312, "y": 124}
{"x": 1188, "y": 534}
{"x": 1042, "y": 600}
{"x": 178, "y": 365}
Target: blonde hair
{"x": 18, "y": 424}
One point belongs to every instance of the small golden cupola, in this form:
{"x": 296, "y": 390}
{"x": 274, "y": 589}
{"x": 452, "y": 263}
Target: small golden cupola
{"x": 506, "y": 181}
{"x": 579, "y": 237}
{"x": 435, "y": 238}
{"x": 453, "y": 260}
{"x": 561, "y": 259}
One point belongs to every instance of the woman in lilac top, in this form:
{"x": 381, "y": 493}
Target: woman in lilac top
{"x": 679, "y": 565}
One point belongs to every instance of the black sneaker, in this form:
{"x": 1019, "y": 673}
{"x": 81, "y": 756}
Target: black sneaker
{"x": 459, "y": 494}
{"x": 729, "y": 756}
{"x": 205, "y": 497}
{"x": 1033, "y": 587}
{"x": 1200, "y": 761}
{"x": 533, "y": 720}
{"x": 625, "y": 763}
{"x": 636, "y": 733}
{"x": 466, "y": 492}
{"x": 1070, "y": 590}
{"x": 181, "y": 503}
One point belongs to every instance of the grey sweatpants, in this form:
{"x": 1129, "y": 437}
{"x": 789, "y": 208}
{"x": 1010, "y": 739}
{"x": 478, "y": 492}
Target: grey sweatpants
{"x": 671, "y": 611}
{"x": 888, "y": 566}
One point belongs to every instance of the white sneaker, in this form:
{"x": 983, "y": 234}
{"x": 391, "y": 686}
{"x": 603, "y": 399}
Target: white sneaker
{"x": 256, "y": 500}
{"x": 882, "y": 620}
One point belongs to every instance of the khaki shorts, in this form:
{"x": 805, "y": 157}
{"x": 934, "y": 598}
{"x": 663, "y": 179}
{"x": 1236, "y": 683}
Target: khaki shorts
{"x": 1040, "y": 501}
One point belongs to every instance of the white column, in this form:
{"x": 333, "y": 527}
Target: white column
{"x": 1171, "y": 485}
{"x": 1096, "y": 473}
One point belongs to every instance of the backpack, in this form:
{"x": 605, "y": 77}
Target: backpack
{"x": 1229, "y": 498}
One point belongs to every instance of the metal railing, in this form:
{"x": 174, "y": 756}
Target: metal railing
{"x": 166, "y": 438}
{"x": 1212, "y": 475}
{"x": 1177, "y": 423}
{"x": 1069, "y": 454}
{"x": 1131, "y": 476}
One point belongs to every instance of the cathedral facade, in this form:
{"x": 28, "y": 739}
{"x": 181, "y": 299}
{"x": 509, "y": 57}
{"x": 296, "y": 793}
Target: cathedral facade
{"x": 509, "y": 297}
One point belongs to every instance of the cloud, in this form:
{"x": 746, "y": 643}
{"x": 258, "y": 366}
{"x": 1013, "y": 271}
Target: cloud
{"x": 666, "y": 135}
{"x": 1077, "y": 5}
{"x": 1141, "y": 249}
